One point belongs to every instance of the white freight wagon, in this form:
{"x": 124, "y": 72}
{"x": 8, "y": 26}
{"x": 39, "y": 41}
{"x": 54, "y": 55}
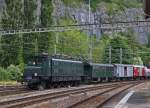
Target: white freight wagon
{"x": 123, "y": 71}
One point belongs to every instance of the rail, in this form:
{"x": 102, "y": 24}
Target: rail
{"x": 38, "y": 98}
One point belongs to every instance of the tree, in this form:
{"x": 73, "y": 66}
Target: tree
{"x": 46, "y": 40}
{"x": 144, "y": 53}
{"x": 29, "y": 18}
{"x": 73, "y": 43}
{"x": 99, "y": 47}
{"x": 10, "y": 44}
{"x": 118, "y": 42}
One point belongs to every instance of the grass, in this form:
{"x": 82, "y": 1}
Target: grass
{"x": 9, "y": 83}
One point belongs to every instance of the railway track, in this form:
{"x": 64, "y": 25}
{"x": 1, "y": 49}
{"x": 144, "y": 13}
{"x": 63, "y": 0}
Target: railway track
{"x": 13, "y": 92}
{"x": 99, "y": 99}
{"x": 3, "y": 88}
{"x": 27, "y": 100}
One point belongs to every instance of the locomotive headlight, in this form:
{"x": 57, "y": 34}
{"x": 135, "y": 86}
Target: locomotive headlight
{"x": 35, "y": 74}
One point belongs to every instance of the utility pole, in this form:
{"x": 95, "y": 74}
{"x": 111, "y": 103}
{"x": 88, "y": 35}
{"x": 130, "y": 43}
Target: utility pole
{"x": 56, "y": 43}
{"x": 36, "y": 46}
{"x": 89, "y": 11}
{"x": 0, "y": 43}
{"x": 56, "y": 37}
{"x": 120, "y": 55}
{"x": 110, "y": 48}
{"x": 90, "y": 37}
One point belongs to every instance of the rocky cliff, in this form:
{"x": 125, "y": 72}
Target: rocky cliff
{"x": 80, "y": 15}
{"x": 2, "y": 3}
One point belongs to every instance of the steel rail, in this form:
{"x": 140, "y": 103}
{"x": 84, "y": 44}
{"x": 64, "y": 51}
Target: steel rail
{"x": 99, "y": 99}
{"x": 36, "y": 98}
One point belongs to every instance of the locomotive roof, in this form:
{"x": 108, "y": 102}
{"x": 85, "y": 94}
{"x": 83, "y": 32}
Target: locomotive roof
{"x": 66, "y": 57}
{"x": 64, "y": 60}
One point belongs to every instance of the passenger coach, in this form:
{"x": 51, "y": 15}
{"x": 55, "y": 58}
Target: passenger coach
{"x": 102, "y": 72}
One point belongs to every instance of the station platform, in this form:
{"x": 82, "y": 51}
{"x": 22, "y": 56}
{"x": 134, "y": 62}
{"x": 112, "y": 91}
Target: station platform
{"x": 139, "y": 98}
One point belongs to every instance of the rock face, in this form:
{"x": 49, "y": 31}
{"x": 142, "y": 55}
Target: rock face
{"x": 38, "y": 12}
{"x": 80, "y": 14}
{"x": 2, "y": 3}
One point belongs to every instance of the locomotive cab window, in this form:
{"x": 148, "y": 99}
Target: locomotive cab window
{"x": 35, "y": 61}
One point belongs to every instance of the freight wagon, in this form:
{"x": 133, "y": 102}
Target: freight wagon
{"x": 147, "y": 72}
{"x": 139, "y": 72}
{"x": 123, "y": 71}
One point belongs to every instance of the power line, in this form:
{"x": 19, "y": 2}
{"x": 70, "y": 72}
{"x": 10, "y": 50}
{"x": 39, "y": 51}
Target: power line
{"x": 117, "y": 25}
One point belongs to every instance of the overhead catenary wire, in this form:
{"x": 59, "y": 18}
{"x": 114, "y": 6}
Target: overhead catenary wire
{"x": 118, "y": 25}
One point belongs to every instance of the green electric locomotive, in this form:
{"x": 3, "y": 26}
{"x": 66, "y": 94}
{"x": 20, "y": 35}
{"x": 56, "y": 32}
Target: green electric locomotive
{"x": 44, "y": 72}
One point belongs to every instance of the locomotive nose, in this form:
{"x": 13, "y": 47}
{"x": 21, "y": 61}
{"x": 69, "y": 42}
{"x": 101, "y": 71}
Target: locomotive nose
{"x": 31, "y": 72}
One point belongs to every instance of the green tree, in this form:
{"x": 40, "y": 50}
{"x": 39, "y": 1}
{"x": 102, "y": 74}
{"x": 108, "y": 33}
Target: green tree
{"x": 115, "y": 5}
{"x": 134, "y": 45}
{"x": 73, "y": 43}
{"x": 144, "y": 53}
{"x": 118, "y": 42}
{"x": 10, "y": 44}
{"x": 46, "y": 40}
{"x": 99, "y": 47}
{"x": 29, "y": 18}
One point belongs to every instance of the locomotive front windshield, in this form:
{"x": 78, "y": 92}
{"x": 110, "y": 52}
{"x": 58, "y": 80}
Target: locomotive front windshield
{"x": 35, "y": 61}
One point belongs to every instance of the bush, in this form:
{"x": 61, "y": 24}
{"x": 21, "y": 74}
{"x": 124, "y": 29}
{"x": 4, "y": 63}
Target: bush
{"x": 4, "y": 75}
{"x": 15, "y": 73}
{"x": 21, "y": 67}
{"x": 12, "y": 73}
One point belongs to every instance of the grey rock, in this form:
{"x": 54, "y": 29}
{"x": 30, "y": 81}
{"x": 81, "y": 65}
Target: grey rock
{"x": 80, "y": 14}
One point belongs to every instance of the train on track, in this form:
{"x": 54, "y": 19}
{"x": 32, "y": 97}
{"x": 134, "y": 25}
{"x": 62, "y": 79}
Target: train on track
{"x": 43, "y": 72}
